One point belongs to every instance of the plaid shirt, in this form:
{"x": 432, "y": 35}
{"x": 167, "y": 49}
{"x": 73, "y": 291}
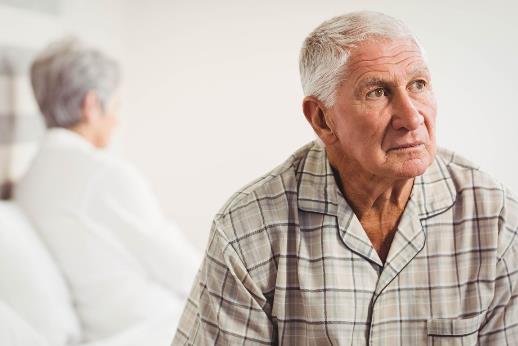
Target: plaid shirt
{"x": 288, "y": 263}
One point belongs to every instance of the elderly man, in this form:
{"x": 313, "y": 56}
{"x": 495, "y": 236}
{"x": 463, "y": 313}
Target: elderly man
{"x": 369, "y": 235}
{"x": 127, "y": 266}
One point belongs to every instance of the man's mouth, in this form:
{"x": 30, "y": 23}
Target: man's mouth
{"x": 407, "y": 146}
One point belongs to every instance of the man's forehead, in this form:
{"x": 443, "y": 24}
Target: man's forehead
{"x": 385, "y": 56}
{"x": 383, "y": 48}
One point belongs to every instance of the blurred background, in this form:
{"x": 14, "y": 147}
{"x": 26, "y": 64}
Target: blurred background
{"x": 211, "y": 93}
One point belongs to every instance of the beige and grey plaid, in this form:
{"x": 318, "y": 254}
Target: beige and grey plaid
{"x": 288, "y": 263}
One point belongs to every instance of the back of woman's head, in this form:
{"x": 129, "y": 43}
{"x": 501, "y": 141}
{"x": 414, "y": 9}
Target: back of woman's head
{"x": 64, "y": 73}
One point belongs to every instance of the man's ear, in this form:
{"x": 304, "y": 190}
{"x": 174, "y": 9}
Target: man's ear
{"x": 315, "y": 113}
{"x": 90, "y": 107}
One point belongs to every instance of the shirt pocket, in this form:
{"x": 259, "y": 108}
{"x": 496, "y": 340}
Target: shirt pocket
{"x": 454, "y": 331}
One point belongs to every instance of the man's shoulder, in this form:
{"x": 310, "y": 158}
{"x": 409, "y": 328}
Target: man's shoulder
{"x": 488, "y": 198}
{"x": 457, "y": 162}
{"x": 265, "y": 200}
{"x": 467, "y": 175}
{"x": 473, "y": 185}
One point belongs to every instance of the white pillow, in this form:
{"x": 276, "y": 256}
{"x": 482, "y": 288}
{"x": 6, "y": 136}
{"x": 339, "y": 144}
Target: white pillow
{"x": 31, "y": 283}
{"x": 158, "y": 331}
{"x": 14, "y": 331}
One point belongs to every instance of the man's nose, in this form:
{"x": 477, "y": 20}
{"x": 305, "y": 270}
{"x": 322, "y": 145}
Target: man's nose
{"x": 404, "y": 113}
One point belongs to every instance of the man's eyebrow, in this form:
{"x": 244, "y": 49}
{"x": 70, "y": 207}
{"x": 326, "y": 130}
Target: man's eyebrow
{"x": 377, "y": 81}
{"x": 370, "y": 82}
{"x": 373, "y": 81}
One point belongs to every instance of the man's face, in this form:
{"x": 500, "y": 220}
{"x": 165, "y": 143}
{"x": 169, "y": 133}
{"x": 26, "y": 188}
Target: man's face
{"x": 384, "y": 113}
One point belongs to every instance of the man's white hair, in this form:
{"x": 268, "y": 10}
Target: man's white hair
{"x": 325, "y": 51}
{"x": 62, "y": 75}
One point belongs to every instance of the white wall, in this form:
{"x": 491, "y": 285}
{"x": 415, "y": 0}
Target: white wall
{"x": 213, "y": 96}
{"x": 95, "y": 21}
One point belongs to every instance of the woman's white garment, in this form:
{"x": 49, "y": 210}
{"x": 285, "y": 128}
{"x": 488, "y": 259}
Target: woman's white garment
{"x": 124, "y": 262}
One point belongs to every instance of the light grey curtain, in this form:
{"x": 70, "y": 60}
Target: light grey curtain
{"x": 21, "y": 126}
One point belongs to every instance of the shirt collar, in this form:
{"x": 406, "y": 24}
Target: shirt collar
{"x": 433, "y": 192}
{"x": 317, "y": 191}
{"x": 62, "y": 137}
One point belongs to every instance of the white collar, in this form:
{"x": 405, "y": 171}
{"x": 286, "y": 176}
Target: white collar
{"x": 61, "y": 137}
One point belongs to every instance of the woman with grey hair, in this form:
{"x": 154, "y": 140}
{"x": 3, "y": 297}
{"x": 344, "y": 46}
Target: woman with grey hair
{"x": 126, "y": 265}
{"x": 76, "y": 88}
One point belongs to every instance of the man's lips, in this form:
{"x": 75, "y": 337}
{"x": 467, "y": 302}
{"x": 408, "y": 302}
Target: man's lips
{"x": 407, "y": 146}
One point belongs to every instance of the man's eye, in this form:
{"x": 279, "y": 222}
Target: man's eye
{"x": 376, "y": 93}
{"x": 418, "y": 85}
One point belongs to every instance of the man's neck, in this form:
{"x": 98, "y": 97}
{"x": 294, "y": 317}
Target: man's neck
{"x": 367, "y": 193}
{"x": 378, "y": 202}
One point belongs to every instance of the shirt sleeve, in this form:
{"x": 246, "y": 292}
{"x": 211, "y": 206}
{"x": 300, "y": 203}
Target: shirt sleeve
{"x": 226, "y": 307}
{"x": 122, "y": 202}
{"x": 501, "y": 324}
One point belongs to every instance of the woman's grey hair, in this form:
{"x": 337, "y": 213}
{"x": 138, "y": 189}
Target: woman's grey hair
{"x": 64, "y": 73}
{"x": 325, "y": 51}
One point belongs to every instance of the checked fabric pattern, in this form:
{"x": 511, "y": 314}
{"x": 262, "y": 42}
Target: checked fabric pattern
{"x": 288, "y": 263}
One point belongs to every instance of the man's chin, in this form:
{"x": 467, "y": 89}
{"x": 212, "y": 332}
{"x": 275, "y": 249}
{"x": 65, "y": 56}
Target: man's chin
{"x": 414, "y": 167}
{"x": 412, "y": 162}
